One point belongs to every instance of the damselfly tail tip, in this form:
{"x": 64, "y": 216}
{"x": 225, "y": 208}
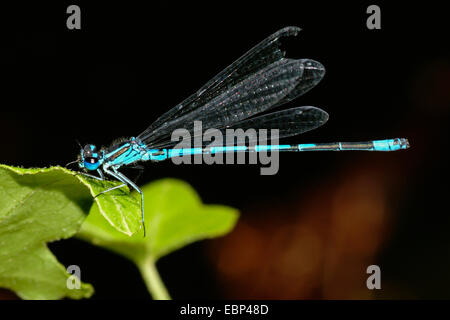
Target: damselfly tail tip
{"x": 403, "y": 143}
{"x": 391, "y": 144}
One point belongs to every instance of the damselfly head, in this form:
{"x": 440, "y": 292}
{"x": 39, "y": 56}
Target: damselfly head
{"x": 90, "y": 158}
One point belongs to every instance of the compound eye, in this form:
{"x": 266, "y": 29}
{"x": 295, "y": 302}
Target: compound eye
{"x": 89, "y": 150}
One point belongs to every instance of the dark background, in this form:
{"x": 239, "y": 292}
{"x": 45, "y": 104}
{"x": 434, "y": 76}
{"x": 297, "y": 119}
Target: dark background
{"x": 311, "y": 230}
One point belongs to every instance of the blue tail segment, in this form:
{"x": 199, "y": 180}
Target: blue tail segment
{"x": 391, "y": 145}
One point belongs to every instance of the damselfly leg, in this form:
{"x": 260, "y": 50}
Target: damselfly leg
{"x": 122, "y": 178}
{"x": 100, "y": 173}
{"x": 111, "y": 189}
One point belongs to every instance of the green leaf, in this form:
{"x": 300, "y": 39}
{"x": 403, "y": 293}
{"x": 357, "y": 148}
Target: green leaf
{"x": 120, "y": 209}
{"x": 174, "y": 217}
{"x": 39, "y": 206}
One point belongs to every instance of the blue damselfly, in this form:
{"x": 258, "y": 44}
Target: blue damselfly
{"x": 258, "y": 81}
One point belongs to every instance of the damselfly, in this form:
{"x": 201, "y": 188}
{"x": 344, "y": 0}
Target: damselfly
{"x": 260, "y": 80}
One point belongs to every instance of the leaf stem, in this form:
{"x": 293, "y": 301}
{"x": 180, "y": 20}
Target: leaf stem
{"x": 152, "y": 279}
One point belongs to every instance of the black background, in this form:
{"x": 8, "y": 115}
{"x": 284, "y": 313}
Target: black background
{"x": 131, "y": 62}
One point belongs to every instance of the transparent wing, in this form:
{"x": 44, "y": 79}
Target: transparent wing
{"x": 265, "y": 53}
{"x": 288, "y": 122}
{"x": 277, "y": 83}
